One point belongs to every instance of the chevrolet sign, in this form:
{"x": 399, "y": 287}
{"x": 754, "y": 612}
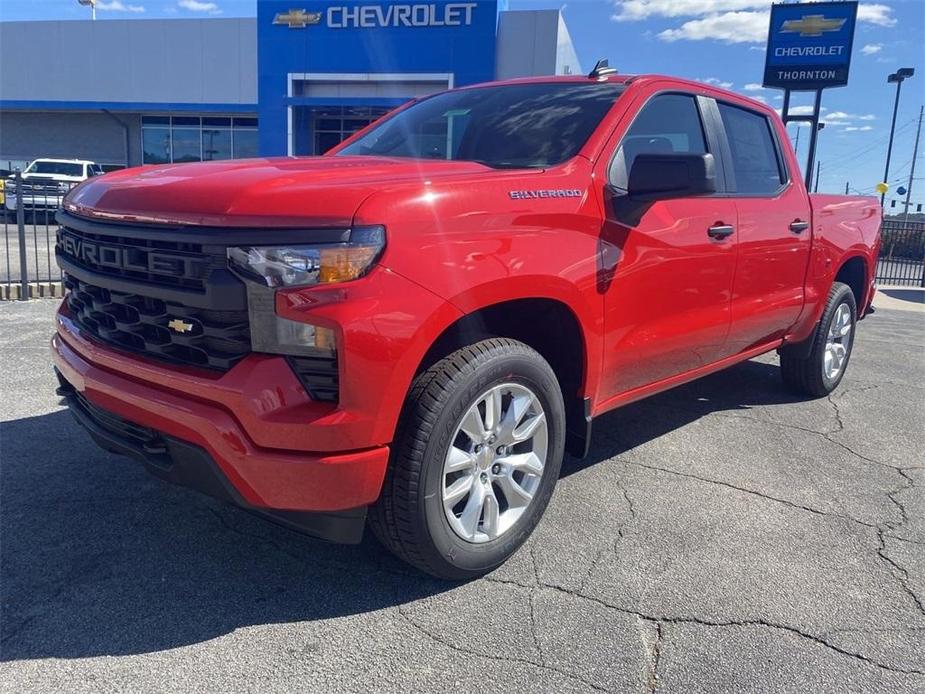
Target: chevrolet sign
{"x": 809, "y": 45}
{"x": 451, "y": 14}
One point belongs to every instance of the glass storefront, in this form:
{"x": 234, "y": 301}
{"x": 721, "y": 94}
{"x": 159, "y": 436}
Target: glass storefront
{"x": 178, "y": 139}
{"x": 319, "y": 128}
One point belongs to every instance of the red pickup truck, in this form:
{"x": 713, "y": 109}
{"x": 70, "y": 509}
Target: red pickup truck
{"x": 411, "y": 330}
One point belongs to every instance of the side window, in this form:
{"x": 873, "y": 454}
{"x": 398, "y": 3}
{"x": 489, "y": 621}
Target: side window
{"x": 667, "y": 124}
{"x": 755, "y": 161}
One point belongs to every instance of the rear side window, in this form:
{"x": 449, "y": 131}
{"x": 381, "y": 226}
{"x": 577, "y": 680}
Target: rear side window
{"x": 755, "y": 160}
{"x": 668, "y": 124}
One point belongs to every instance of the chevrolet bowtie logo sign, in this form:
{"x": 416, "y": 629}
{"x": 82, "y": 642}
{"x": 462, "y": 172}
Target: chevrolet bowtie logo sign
{"x": 297, "y": 19}
{"x": 811, "y": 25}
{"x": 180, "y": 326}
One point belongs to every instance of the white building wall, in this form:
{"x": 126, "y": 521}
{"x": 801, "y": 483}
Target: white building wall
{"x": 534, "y": 42}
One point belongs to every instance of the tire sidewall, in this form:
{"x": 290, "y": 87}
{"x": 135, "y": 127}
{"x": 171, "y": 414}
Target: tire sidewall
{"x": 841, "y": 295}
{"x": 448, "y": 548}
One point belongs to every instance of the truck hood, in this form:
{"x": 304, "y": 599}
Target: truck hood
{"x": 278, "y": 192}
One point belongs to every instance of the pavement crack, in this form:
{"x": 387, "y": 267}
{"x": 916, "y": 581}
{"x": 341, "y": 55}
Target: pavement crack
{"x": 655, "y": 654}
{"x": 826, "y": 435}
{"x": 753, "y": 492}
{"x": 666, "y": 619}
{"x": 536, "y": 639}
{"x": 508, "y": 659}
{"x": 898, "y": 572}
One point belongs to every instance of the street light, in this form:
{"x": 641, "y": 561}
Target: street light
{"x": 91, "y": 4}
{"x": 897, "y": 77}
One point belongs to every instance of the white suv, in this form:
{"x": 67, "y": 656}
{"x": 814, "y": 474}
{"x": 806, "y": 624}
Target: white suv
{"x": 47, "y": 181}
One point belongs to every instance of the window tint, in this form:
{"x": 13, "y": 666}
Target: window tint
{"x": 755, "y": 162}
{"x": 514, "y": 126}
{"x": 667, "y": 124}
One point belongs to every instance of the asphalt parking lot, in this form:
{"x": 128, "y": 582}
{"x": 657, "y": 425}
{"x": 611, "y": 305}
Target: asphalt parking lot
{"x": 720, "y": 537}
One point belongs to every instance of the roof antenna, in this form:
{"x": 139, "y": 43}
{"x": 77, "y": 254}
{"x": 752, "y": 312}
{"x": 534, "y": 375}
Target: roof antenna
{"x": 602, "y": 69}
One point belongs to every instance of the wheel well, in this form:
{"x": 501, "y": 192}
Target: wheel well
{"x": 546, "y": 325}
{"x": 854, "y": 274}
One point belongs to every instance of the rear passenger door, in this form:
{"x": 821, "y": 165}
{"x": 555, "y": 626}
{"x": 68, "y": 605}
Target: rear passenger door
{"x": 773, "y": 229}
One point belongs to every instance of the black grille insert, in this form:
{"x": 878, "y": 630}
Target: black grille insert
{"x": 159, "y": 328}
{"x": 163, "y": 262}
{"x": 318, "y": 376}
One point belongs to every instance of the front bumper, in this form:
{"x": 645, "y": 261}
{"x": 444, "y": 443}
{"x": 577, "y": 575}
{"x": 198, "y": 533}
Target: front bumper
{"x": 201, "y": 443}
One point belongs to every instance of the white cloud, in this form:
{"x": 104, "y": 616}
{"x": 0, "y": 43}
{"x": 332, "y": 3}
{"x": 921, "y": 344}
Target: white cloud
{"x": 875, "y": 13}
{"x": 758, "y": 97}
{"x": 871, "y": 48}
{"x": 730, "y": 21}
{"x": 635, "y": 10}
{"x": 730, "y": 27}
{"x": 118, "y": 6}
{"x": 863, "y": 128}
{"x": 197, "y": 6}
{"x": 715, "y": 82}
{"x": 753, "y": 87}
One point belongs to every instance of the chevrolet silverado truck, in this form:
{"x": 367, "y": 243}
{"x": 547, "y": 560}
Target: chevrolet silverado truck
{"x": 46, "y": 181}
{"x": 409, "y": 332}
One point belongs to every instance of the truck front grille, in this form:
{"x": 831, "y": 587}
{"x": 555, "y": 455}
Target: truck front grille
{"x": 167, "y": 263}
{"x": 153, "y": 327}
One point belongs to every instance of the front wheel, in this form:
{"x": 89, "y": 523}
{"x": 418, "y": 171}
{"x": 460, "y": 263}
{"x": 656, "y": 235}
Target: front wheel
{"x": 475, "y": 460}
{"x": 821, "y": 372}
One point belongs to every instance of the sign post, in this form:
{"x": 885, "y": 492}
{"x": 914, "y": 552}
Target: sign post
{"x": 809, "y": 49}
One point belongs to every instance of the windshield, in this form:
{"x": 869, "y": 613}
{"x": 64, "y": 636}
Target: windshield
{"x": 62, "y": 168}
{"x": 511, "y": 126}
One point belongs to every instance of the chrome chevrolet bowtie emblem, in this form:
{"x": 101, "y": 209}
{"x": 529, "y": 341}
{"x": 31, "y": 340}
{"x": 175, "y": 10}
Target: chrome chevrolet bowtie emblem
{"x": 811, "y": 25}
{"x": 297, "y": 19}
{"x": 178, "y": 325}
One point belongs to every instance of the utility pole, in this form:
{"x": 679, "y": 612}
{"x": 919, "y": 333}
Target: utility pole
{"x": 818, "y": 168}
{"x": 915, "y": 155}
{"x": 796, "y": 146}
{"x": 846, "y": 187}
{"x": 897, "y": 78}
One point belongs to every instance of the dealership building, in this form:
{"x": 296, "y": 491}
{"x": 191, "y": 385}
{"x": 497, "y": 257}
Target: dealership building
{"x": 297, "y": 79}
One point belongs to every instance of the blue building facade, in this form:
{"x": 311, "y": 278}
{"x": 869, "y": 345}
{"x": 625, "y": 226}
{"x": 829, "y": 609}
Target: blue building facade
{"x": 295, "y": 80}
{"x": 329, "y": 70}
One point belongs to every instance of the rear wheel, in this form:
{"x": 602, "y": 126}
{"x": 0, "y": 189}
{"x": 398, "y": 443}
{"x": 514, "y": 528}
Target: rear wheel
{"x": 475, "y": 461}
{"x": 821, "y": 371}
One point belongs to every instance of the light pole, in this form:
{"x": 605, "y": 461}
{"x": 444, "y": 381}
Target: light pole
{"x": 91, "y": 4}
{"x": 897, "y": 77}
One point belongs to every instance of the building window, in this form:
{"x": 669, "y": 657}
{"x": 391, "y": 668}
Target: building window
{"x": 178, "y": 139}
{"x": 334, "y": 124}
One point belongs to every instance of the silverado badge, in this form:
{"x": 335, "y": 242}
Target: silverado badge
{"x": 178, "y": 325}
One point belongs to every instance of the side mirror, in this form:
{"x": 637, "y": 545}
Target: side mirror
{"x": 668, "y": 176}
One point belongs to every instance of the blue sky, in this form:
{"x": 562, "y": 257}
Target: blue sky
{"x": 719, "y": 41}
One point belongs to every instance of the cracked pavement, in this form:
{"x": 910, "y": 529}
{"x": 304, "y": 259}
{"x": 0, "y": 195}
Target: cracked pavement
{"x": 723, "y": 536}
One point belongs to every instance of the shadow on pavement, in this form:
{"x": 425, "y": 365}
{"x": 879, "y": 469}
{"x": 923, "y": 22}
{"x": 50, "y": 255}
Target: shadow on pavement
{"x": 98, "y": 558}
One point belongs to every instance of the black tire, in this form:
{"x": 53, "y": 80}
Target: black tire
{"x": 806, "y": 376}
{"x": 409, "y": 519}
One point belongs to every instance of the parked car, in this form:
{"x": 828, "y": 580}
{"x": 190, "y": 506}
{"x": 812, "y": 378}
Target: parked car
{"x": 411, "y": 330}
{"x": 47, "y": 181}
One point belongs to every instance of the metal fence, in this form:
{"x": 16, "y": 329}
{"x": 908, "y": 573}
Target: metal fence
{"x": 902, "y": 254}
{"x": 27, "y": 265}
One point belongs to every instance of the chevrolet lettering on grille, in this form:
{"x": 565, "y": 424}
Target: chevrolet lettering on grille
{"x": 103, "y": 256}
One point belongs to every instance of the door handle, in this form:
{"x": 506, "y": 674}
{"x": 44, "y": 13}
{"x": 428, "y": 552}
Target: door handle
{"x": 720, "y": 231}
{"x": 798, "y": 226}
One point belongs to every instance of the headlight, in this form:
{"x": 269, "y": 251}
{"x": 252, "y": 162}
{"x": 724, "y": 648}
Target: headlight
{"x": 304, "y": 265}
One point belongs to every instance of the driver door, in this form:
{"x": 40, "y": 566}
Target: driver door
{"x": 669, "y": 273}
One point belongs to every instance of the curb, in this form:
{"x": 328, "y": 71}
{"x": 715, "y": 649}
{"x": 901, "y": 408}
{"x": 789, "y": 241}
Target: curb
{"x": 37, "y": 290}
